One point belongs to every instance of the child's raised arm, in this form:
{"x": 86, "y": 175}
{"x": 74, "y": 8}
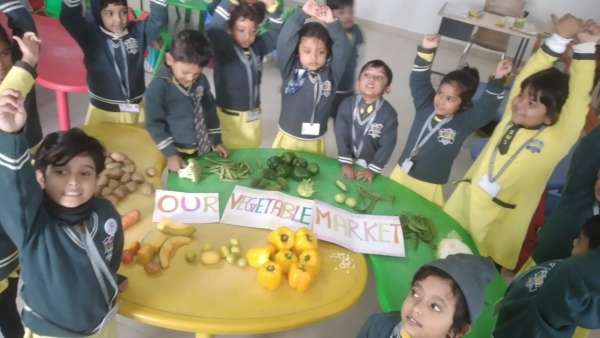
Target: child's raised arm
{"x": 19, "y": 19}
{"x": 267, "y": 41}
{"x": 485, "y": 108}
{"x": 158, "y": 19}
{"x": 21, "y": 76}
{"x": 341, "y": 49}
{"x": 420, "y": 77}
{"x": 78, "y": 27}
{"x": 288, "y": 40}
{"x": 217, "y": 30}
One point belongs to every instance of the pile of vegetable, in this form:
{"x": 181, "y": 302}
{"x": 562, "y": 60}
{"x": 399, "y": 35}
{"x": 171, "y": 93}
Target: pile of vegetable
{"x": 288, "y": 255}
{"x": 231, "y": 253}
{"x": 120, "y": 178}
{"x": 365, "y": 200}
{"x": 419, "y": 228}
{"x": 283, "y": 167}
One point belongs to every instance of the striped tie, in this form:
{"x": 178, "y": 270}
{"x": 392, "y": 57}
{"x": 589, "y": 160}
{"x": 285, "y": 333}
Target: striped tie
{"x": 202, "y": 140}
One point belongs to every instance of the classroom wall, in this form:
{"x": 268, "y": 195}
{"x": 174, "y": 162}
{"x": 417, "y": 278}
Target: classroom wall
{"x": 421, "y": 16}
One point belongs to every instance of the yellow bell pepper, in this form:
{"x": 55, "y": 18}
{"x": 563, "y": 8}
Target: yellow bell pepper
{"x": 300, "y": 277}
{"x": 282, "y": 238}
{"x": 257, "y": 257}
{"x": 270, "y": 276}
{"x": 285, "y": 259}
{"x": 304, "y": 240}
{"x": 311, "y": 259}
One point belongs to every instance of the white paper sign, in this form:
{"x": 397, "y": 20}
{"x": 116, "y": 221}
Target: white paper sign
{"x": 266, "y": 209}
{"x": 368, "y": 234}
{"x": 186, "y": 207}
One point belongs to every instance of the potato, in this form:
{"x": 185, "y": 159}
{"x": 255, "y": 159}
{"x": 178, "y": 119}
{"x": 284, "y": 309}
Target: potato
{"x": 113, "y": 184}
{"x": 114, "y": 173}
{"x": 152, "y": 268}
{"x": 121, "y": 192}
{"x": 150, "y": 172}
{"x": 137, "y": 177}
{"x": 147, "y": 189}
{"x": 127, "y": 161}
{"x": 125, "y": 178}
{"x": 210, "y": 257}
{"x": 102, "y": 181}
{"x": 113, "y": 199}
{"x": 108, "y": 160}
{"x": 131, "y": 186}
{"x": 145, "y": 254}
{"x": 129, "y": 168}
{"x": 106, "y": 191}
{"x": 113, "y": 165}
{"x": 117, "y": 156}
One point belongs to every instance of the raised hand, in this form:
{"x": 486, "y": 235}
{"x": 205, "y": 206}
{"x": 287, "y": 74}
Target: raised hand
{"x": 567, "y": 26}
{"x": 30, "y": 48}
{"x": 311, "y": 8}
{"x": 431, "y": 41}
{"x": 503, "y": 68}
{"x": 590, "y": 32}
{"x": 325, "y": 15}
{"x": 12, "y": 111}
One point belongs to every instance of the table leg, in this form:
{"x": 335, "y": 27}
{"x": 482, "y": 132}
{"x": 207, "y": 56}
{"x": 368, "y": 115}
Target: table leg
{"x": 523, "y": 51}
{"x": 62, "y": 109}
{"x": 204, "y": 335}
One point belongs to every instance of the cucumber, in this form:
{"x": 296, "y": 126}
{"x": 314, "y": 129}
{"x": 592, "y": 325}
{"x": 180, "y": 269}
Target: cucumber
{"x": 341, "y": 185}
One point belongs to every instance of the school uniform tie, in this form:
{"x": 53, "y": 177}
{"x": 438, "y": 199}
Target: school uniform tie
{"x": 296, "y": 82}
{"x": 202, "y": 139}
{"x": 507, "y": 139}
{"x": 365, "y": 110}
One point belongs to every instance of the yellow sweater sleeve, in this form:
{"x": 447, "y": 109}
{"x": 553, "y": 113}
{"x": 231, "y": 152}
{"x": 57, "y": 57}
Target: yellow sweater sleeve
{"x": 573, "y": 113}
{"x": 19, "y": 79}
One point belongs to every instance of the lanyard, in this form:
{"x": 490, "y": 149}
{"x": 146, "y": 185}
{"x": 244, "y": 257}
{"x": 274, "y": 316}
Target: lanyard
{"x": 596, "y": 209}
{"x": 367, "y": 125}
{"x": 492, "y": 163}
{"x": 100, "y": 269}
{"x": 317, "y": 93}
{"x": 124, "y": 84}
{"x": 422, "y": 138}
{"x": 252, "y": 75}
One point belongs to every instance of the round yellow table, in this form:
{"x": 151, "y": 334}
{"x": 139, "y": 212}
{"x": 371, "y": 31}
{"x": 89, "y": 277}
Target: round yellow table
{"x": 222, "y": 299}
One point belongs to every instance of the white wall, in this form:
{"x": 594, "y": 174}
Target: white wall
{"x": 421, "y": 16}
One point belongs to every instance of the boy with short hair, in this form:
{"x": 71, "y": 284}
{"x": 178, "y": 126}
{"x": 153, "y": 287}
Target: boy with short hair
{"x": 367, "y": 125}
{"x": 113, "y": 51}
{"x": 60, "y": 229}
{"x": 182, "y": 117}
{"x": 344, "y": 11}
{"x": 551, "y": 299}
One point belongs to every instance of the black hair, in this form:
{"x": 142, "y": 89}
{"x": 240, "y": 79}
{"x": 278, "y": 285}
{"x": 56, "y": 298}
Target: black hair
{"x": 551, "y": 86}
{"x": 467, "y": 79}
{"x": 461, "y": 321}
{"x": 591, "y": 230}
{"x": 339, "y": 4}
{"x": 105, "y": 3}
{"x": 377, "y": 63}
{"x": 317, "y": 31}
{"x": 11, "y": 43}
{"x": 58, "y": 148}
{"x": 190, "y": 46}
{"x": 253, "y": 12}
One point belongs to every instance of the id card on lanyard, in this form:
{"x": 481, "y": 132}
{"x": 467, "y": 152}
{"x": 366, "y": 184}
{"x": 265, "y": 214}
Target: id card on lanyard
{"x": 123, "y": 77}
{"x": 357, "y": 149}
{"x": 489, "y": 182}
{"x": 251, "y": 65}
{"x": 311, "y": 128}
{"x": 424, "y": 135}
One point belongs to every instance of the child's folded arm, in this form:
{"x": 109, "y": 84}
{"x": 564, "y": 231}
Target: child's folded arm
{"x": 19, "y": 19}
{"x": 340, "y": 50}
{"x": 20, "y": 211}
{"x": 387, "y": 142}
{"x": 156, "y": 122}
{"x": 485, "y": 108}
{"x": 343, "y": 131}
{"x": 288, "y": 40}
{"x": 78, "y": 27}
{"x": 156, "y": 22}
{"x": 420, "y": 85}
{"x": 213, "y": 124}
{"x": 575, "y": 109}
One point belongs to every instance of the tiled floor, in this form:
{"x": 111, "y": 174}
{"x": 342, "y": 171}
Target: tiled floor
{"x": 395, "y": 48}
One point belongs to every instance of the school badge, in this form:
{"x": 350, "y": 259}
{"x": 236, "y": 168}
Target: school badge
{"x": 375, "y": 130}
{"x": 446, "y": 136}
{"x": 110, "y": 227}
{"x": 131, "y": 45}
{"x": 535, "y": 146}
{"x": 536, "y": 281}
{"x": 199, "y": 91}
{"x": 326, "y": 88}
